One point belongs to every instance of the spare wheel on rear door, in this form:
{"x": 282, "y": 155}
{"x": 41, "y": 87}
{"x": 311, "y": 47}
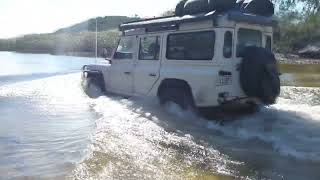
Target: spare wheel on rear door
{"x": 259, "y": 74}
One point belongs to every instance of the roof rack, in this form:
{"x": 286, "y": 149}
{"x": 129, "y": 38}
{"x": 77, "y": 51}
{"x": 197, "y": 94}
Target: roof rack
{"x": 173, "y": 22}
{"x": 147, "y": 19}
{"x": 165, "y": 22}
{"x": 251, "y": 18}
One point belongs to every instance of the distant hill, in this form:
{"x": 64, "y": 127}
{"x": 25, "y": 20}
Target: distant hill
{"x": 104, "y": 24}
{"x": 78, "y": 39}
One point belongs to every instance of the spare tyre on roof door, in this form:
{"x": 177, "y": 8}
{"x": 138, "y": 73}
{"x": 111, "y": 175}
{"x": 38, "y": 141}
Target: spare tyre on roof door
{"x": 259, "y": 74}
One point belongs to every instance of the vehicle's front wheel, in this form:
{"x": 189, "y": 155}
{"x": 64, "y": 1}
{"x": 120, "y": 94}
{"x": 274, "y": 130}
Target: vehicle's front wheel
{"x": 179, "y": 96}
{"x": 92, "y": 87}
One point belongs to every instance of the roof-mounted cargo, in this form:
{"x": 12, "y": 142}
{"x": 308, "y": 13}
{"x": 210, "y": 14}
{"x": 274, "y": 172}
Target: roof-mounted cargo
{"x": 257, "y": 12}
{"x": 258, "y": 7}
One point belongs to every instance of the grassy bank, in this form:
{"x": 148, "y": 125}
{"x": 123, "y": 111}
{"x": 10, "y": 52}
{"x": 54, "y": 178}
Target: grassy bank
{"x": 82, "y": 44}
{"x": 304, "y": 75}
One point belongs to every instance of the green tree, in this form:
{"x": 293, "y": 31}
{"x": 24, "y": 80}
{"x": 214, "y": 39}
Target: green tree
{"x": 299, "y": 24}
{"x": 306, "y": 6}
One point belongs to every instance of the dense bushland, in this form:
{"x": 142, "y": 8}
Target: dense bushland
{"x": 299, "y": 24}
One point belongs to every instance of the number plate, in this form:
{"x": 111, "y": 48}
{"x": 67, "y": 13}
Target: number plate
{"x": 224, "y": 80}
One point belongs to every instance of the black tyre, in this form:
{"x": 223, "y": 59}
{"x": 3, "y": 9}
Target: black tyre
{"x": 221, "y": 5}
{"x": 196, "y": 6}
{"x": 258, "y": 7}
{"x": 259, "y": 74}
{"x": 180, "y": 8}
{"x": 179, "y": 96}
{"x": 92, "y": 87}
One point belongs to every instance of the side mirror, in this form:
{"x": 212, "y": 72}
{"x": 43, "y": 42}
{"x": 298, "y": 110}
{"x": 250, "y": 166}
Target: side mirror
{"x": 109, "y": 60}
{"x": 105, "y": 55}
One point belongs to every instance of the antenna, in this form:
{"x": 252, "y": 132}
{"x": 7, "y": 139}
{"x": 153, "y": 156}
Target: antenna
{"x": 96, "y": 50}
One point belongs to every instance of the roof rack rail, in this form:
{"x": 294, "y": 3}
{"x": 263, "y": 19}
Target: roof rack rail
{"x": 167, "y": 21}
{"x": 147, "y": 19}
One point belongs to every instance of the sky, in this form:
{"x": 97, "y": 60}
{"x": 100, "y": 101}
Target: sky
{"x": 19, "y": 17}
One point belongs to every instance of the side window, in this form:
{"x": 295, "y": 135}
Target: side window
{"x": 149, "y": 48}
{"x": 228, "y": 42}
{"x": 268, "y": 43}
{"x": 248, "y": 37}
{"x": 125, "y": 48}
{"x": 191, "y": 46}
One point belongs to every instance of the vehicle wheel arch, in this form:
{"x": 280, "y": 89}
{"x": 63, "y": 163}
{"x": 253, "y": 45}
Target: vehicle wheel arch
{"x": 175, "y": 83}
{"x": 97, "y": 77}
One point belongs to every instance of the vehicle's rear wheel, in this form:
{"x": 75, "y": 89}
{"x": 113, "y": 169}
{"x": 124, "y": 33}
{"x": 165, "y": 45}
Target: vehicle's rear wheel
{"x": 92, "y": 87}
{"x": 179, "y": 96}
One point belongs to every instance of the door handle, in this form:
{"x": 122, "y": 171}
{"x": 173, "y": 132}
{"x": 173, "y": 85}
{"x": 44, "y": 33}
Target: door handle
{"x": 152, "y": 75}
{"x": 127, "y": 73}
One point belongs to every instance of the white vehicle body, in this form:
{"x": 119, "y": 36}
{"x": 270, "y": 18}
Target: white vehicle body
{"x": 212, "y": 81}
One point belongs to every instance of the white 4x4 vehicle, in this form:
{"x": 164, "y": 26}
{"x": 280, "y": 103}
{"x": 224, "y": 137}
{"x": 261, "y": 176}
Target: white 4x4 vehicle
{"x": 195, "y": 61}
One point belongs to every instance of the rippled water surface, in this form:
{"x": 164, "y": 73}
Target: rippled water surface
{"x": 51, "y": 130}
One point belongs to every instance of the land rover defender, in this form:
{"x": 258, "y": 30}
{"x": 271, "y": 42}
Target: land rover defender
{"x": 210, "y": 59}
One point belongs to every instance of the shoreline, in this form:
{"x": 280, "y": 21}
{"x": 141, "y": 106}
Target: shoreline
{"x": 71, "y": 54}
{"x": 295, "y": 60}
{"x": 281, "y": 58}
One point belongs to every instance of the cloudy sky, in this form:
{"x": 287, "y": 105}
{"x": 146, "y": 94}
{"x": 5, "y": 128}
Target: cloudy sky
{"x": 18, "y": 17}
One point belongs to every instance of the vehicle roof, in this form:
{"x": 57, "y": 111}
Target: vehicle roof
{"x": 174, "y": 21}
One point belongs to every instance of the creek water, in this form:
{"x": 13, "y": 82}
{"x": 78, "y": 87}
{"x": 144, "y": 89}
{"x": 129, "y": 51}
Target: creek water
{"x": 51, "y": 130}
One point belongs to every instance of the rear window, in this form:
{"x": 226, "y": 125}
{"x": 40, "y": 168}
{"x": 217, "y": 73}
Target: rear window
{"x": 248, "y": 37}
{"x": 227, "y": 47}
{"x": 191, "y": 46}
